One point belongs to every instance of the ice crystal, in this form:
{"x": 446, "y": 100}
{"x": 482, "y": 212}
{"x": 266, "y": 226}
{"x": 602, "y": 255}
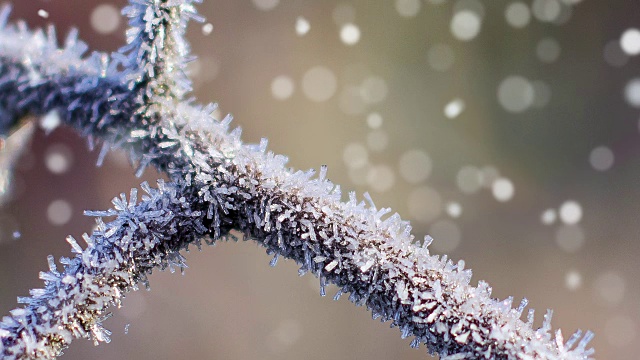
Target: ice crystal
{"x": 134, "y": 100}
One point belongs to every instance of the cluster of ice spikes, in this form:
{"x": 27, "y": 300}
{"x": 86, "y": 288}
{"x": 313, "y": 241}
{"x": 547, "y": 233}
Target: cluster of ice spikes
{"x": 135, "y": 100}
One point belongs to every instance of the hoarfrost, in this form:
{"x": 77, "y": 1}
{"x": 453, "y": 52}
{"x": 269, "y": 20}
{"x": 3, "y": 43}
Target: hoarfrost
{"x": 135, "y": 100}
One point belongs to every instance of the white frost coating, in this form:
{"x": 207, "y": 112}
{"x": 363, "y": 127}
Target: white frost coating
{"x": 219, "y": 184}
{"x": 42, "y": 48}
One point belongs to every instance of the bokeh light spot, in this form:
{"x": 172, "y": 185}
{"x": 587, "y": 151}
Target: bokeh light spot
{"x": 319, "y": 84}
{"x": 415, "y": 166}
{"x": 350, "y": 34}
{"x": 454, "y": 209}
{"x": 265, "y": 5}
{"x": 355, "y": 155}
{"x": 570, "y": 212}
{"x": 59, "y": 212}
{"x": 302, "y": 26}
{"x": 58, "y": 158}
{"x": 548, "y": 216}
{"x": 546, "y": 10}
{"x": 380, "y": 178}
{"x": 207, "y": 29}
{"x": 105, "y": 19}
{"x": 503, "y": 189}
{"x": 282, "y": 87}
{"x": 408, "y": 8}
{"x": 517, "y": 14}
{"x": 609, "y": 288}
{"x": 454, "y": 108}
{"x": 632, "y": 92}
{"x": 469, "y": 179}
{"x": 465, "y": 25}
{"x": 516, "y": 94}
{"x": 573, "y": 280}
{"x": 630, "y": 41}
{"x": 374, "y": 120}
{"x": 601, "y": 158}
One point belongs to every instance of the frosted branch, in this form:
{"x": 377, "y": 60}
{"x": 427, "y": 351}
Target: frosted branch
{"x": 219, "y": 184}
{"x": 156, "y": 49}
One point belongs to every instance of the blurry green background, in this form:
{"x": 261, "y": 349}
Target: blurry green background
{"x": 437, "y": 108}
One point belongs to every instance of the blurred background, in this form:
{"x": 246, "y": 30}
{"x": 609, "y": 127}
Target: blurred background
{"x": 508, "y": 130}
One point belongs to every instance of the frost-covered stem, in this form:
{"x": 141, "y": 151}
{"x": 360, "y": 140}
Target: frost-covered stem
{"x": 219, "y": 184}
{"x": 231, "y": 185}
{"x": 156, "y": 50}
{"x": 118, "y": 256}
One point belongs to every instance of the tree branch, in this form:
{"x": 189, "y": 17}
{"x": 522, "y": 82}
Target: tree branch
{"x": 134, "y": 100}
